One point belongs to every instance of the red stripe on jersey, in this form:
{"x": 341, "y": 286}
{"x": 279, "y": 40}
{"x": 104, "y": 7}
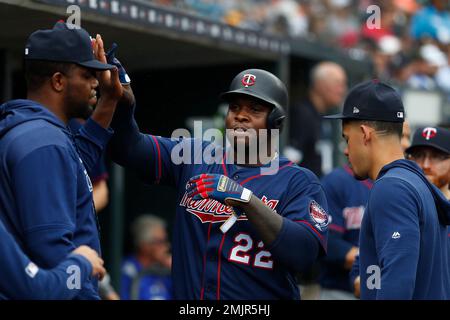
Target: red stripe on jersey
{"x": 159, "y": 159}
{"x": 202, "y": 291}
{"x": 218, "y": 266}
{"x": 259, "y": 175}
{"x": 224, "y": 167}
{"x": 336, "y": 228}
{"x": 311, "y": 227}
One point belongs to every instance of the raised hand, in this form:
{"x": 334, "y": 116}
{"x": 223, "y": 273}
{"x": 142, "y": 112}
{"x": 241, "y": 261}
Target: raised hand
{"x": 109, "y": 83}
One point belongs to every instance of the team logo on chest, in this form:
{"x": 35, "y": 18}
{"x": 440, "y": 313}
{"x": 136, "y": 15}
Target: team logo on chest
{"x": 318, "y": 216}
{"x": 210, "y": 210}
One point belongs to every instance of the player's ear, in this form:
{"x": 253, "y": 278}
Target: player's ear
{"x": 366, "y": 133}
{"x": 58, "y": 81}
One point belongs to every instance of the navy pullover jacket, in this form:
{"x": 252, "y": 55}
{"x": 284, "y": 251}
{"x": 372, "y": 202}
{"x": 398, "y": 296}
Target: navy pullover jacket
{"x": 45, "y": 191}
{"x": 403, "y": 241}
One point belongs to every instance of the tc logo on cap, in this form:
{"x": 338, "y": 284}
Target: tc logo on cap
{"x": 248, "y": 80}
{"x": 429, "y": 133}
{"x": 355, "y": 110}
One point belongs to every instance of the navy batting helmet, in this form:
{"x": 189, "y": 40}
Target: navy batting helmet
{"x": 265, "y": 86}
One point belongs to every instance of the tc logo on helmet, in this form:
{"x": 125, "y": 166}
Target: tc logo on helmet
{"x": 429, "y": 133}
{"x": 248, "y": 80}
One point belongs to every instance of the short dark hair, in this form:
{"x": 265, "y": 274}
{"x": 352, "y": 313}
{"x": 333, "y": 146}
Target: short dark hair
{"x": 38, "y": 71}
{"x": 385, "y": 127}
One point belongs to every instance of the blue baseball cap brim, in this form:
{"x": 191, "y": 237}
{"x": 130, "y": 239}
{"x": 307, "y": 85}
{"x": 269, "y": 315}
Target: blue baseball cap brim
{"x": 431, "y": 145}
{"x": 96, "y": 65}
{"x": 336, "y": 116}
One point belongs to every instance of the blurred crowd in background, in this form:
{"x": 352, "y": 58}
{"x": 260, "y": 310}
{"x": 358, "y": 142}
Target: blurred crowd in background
{"x": 408, "y": 41}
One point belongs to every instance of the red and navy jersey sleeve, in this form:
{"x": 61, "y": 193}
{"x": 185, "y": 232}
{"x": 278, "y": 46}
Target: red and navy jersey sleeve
{"x": 161, "y": 168}
{"x": 156, "y": 159}
{"x": 306, "y": 204}
{"x": 305, "y": 222}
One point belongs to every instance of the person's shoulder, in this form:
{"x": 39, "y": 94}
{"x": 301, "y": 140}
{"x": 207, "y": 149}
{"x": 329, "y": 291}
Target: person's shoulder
{"x": 394, "y": 187}
{"x": 39, "y": 131}
{"x": 399, "y": 176}
{"x": 35, "y": 135}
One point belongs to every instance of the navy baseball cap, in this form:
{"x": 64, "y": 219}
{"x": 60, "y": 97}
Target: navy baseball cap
{"x": 436, "y": 137}
{"x": 374, "y": 101}
{"x": 64, "y": 43}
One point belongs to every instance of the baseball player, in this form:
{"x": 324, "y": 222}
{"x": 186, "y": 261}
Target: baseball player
{"x": 346, "y": 208}
{"x": 430, "y": 149}
{"x": 403, "y": 240}
{"x": 45, "y": 191}
{"x": 22, "y": 279}
{"x": 281, "y": 219}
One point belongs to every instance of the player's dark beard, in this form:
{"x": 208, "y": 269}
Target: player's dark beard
{"x": 77, "y": 109}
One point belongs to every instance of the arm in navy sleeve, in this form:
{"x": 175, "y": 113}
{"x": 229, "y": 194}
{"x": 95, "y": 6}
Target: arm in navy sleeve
{"x": 91, "y": 141}
{"x": 148, "y": 155}
{"x": 128, "y": 147}
{"x": 45, "y": 179}
{"x": 292, "y": 228}
{"x": 299, "y": 230}
{"x": 398, "y": 257}
{"x": 16, "y": 283}
{"x": 291, "y": 235}
{"x": 281, "y": 235}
